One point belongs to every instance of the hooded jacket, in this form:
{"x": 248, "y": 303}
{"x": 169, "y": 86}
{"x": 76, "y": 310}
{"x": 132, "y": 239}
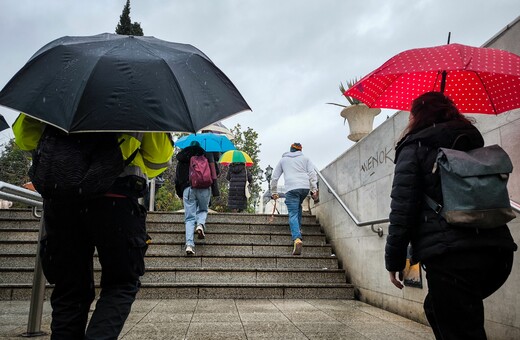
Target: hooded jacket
{"x": 411, "y": 220}
{"x": 298, "y": 172}
{"x": 237, "y": 176}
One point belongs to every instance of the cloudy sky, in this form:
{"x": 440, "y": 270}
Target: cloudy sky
{"x": 287, "y": 57}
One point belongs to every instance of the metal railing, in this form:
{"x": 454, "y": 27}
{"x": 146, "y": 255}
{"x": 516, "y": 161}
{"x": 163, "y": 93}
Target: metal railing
{"x": 378, "y": 231}
{"x": 17, "y": 194}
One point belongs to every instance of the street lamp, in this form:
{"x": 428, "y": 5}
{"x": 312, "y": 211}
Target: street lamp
{"x": 268, "y": 174}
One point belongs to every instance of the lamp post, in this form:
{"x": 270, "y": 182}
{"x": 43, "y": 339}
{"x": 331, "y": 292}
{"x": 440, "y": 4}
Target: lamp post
{"x": 268, "y": 174}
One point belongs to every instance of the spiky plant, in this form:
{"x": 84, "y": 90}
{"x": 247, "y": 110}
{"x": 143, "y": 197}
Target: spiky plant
{"x": 351, "y": 100}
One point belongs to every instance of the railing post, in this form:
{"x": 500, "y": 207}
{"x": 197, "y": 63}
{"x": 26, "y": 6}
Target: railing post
{"x": 151, "y": 203}
{"x": 38, "y": 292}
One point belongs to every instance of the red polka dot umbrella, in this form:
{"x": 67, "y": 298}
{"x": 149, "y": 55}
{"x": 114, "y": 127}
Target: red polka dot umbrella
{"x": 477, "y": 79}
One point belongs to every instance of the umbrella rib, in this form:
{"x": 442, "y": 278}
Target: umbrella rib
{"x": 181, "y": 93}
{"x": 486, "y": 90}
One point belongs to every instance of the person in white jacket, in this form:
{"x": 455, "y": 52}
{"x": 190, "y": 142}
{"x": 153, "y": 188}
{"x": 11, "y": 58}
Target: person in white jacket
{"x": 300, "y": 178}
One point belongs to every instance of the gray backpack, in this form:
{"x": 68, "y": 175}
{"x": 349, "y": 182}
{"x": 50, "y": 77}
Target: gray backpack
{"x": 474, "y": 187}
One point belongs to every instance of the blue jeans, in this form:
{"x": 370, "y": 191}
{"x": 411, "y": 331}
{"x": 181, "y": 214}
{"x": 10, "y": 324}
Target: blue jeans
{"x": 293, "y": 201}
{"x": 196, "y": 202}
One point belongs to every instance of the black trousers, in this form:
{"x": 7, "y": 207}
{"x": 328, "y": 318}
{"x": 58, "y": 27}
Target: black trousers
{"x": 457, "y": 285}
{"x": 115, "y": 226}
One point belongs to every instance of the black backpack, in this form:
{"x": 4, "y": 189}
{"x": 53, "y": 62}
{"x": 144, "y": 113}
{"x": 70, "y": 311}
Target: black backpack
{"x": 474, "y": 187}
{"x": 76, "y": 166}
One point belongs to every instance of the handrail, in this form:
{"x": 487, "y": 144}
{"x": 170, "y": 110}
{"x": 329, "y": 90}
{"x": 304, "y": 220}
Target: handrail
{"x": 18, "y": 194}
{"x": 378, "y": 231}
{"x": 22, "y": 195}
{"x": 514, "y": 205}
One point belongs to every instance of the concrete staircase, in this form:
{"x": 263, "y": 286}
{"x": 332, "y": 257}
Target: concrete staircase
{"x": 243, "y": 256}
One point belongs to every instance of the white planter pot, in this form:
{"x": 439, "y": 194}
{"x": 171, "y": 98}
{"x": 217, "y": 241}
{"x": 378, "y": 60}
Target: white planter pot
{"x": 360, "y": 120}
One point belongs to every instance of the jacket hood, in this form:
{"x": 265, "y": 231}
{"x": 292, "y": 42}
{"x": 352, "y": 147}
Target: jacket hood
{"x": 444, "y": 135}
{"x": 236, "y": 167}
{"x": 292, "y": 154}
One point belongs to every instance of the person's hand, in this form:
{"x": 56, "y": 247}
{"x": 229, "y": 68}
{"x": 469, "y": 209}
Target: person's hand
{"x": 275, "y": 196}
{"x": 396, "y": 278}
{"x": 315, "y": 196}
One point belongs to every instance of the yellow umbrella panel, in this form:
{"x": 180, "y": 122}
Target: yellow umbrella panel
{"x": 235, "y": 156}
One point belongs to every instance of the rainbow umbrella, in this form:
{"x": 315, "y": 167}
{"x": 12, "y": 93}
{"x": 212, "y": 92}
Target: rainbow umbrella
{"x": 235, "y": 156}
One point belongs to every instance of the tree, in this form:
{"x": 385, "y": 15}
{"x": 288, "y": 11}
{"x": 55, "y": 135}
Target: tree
{"x": 125, "y": 26}
{"x": 14, "y": 164}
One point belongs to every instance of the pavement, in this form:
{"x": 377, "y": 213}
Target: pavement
{"x": 241, "y": 319}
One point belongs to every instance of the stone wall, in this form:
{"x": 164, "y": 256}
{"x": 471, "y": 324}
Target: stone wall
{"x": 362, "y": 177}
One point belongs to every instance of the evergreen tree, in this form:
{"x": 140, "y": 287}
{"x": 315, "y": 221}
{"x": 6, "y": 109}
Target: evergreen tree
{"x": 125, "y": 26}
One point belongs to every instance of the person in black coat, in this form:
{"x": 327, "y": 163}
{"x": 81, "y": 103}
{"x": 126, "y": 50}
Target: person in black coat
{"x": 237, "y": 176}
{"x": 463, "y": 265}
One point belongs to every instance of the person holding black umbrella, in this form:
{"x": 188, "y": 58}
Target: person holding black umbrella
{"x": 113, "y": 223}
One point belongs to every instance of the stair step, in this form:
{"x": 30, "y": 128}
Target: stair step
{"x": 178, "y": 248}
{"x": 266, "y": 261}
{"x": 207, "y": 275}
{"x": 211, "y": 291}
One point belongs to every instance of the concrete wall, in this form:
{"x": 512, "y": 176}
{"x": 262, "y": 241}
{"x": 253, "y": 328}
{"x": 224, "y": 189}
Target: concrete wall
{"x": 362, "y": 177}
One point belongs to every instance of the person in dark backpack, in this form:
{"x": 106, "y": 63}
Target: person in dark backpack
{"x": 463, "y": 265}
{"x": 113, "y": 223}
{"x": 195, "y": 199}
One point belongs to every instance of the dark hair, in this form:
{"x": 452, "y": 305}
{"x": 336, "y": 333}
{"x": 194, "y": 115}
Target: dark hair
{"x": 432, "y": 108}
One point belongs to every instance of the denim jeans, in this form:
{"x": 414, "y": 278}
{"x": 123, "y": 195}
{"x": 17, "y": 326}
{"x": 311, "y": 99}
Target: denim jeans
{"x": 196, "y": 202}
{"x": 293, "y": 201}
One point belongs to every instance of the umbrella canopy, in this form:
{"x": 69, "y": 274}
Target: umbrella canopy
{"x": 111, "y": 82}
{"x": 235, "y": 156}
{"x": 210, "y": 142}
{"x": 3, "y": 123}
{"x": 478, "y": 80}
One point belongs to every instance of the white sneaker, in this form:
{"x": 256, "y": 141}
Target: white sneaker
{"x": 189, "y": 250}
{"x": 200, "y": 232}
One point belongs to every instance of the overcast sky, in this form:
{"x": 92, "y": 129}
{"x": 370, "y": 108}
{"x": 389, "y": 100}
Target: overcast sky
{"x": 286, "y": 57}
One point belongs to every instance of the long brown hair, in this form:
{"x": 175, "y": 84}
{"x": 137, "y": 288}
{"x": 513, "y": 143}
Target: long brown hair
{"x": 432, "y": 108}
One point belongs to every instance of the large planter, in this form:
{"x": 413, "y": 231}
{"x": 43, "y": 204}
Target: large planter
{"x": 360, "y": 120}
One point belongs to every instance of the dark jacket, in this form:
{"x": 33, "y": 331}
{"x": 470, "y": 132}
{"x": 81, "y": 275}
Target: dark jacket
{"x": 215, "y": 171}
{"x": 182, "y": 172}
{"x": 237, "y": 176}
{"x": 411, "y": 220}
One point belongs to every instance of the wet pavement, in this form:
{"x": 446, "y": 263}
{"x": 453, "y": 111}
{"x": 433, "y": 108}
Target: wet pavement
{"x": 241, "y": 319}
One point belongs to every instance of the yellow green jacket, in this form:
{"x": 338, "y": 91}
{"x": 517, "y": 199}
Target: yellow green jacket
{"x": 154, "y": 155}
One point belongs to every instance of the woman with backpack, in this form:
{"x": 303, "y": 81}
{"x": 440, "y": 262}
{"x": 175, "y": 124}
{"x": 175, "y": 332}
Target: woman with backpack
{"x": 463, "y": 265}
{"x": 194, "y": 197}
{"x": 238, "y": 176}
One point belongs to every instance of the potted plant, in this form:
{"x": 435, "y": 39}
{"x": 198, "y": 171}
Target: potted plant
{"x": 359, "y": 116}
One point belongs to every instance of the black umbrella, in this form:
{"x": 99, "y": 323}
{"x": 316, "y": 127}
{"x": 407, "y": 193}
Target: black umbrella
{"x": 3, "y": 123}
{"x": 111, "y": 82}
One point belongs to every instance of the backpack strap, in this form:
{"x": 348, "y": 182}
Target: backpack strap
{"x": 436, "y": 207}
{"x": 131, "y": 157}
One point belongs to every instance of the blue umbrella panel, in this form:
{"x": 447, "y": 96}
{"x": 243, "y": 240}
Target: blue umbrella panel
{"x": 210, "y": 142}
